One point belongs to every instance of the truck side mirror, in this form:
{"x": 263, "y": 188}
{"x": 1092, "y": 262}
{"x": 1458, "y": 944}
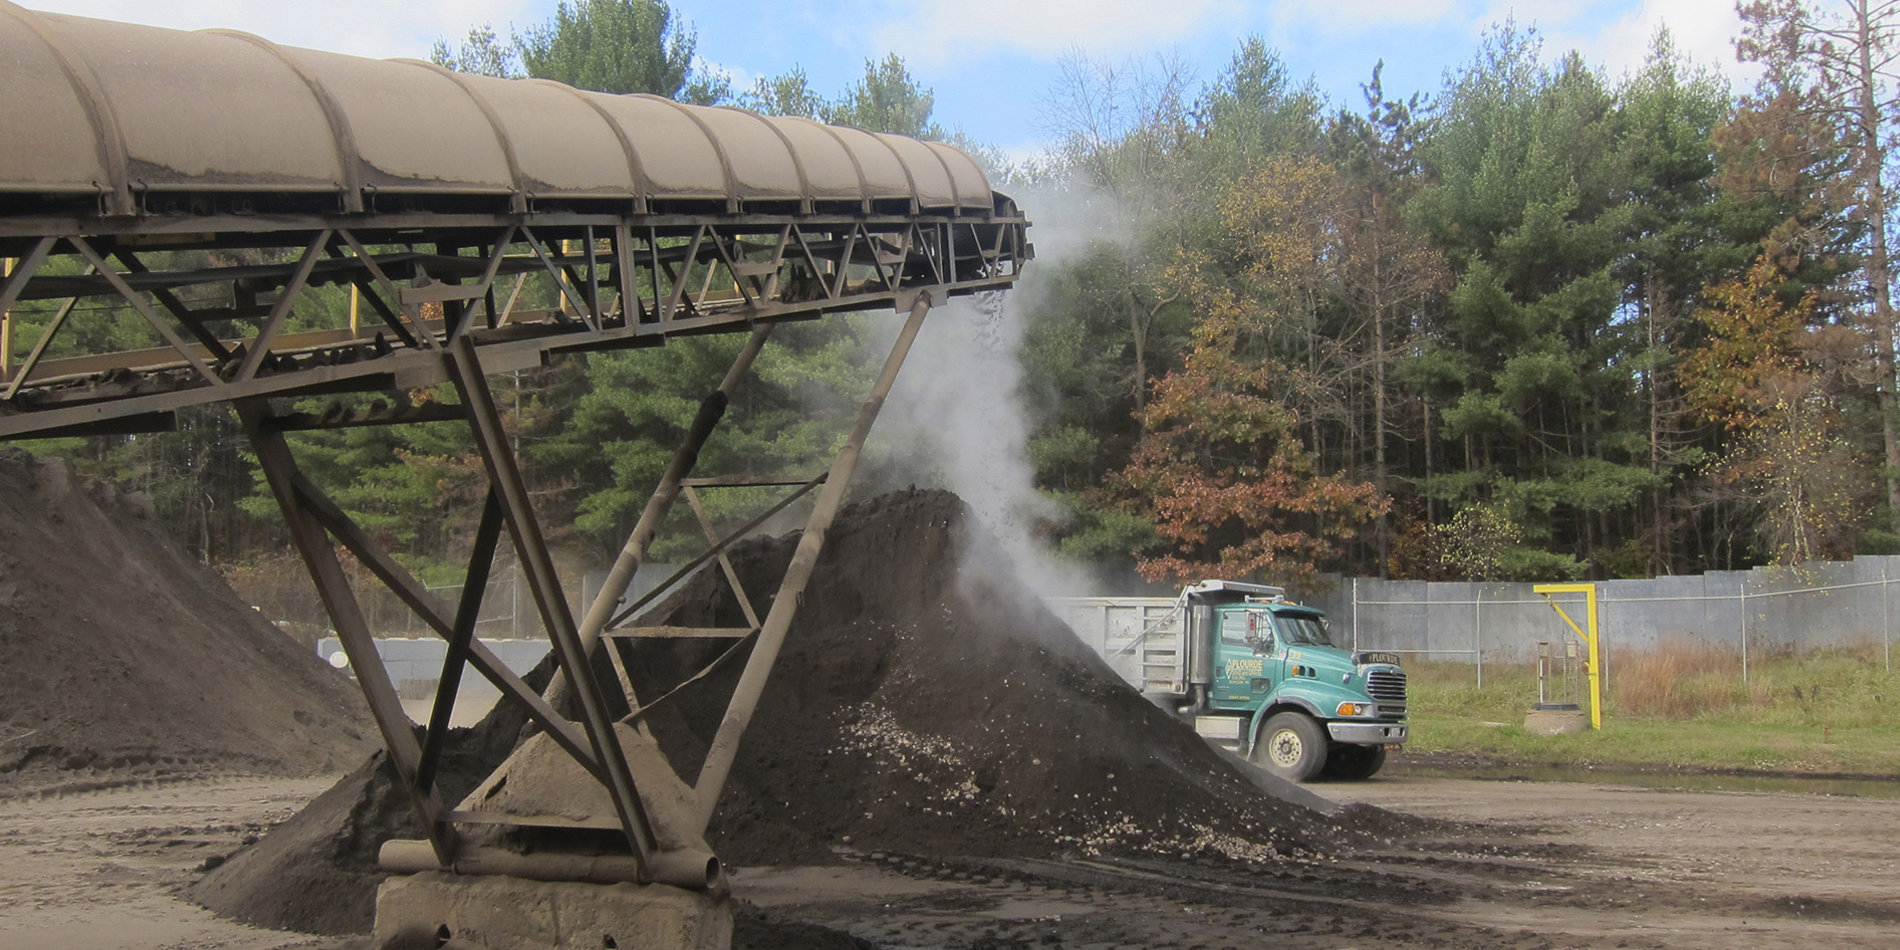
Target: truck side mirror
{"x": 1263, "y": 644}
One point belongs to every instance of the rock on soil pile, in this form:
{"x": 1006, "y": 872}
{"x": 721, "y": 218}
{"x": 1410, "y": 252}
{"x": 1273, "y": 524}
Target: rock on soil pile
{"x": 122, "y": 654}
{"x": 925, "y": 703}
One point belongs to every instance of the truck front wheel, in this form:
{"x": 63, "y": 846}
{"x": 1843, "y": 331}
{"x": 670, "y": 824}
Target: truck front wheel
{"x": 1354, "y": 762}
{"x": 1292, "y": 746}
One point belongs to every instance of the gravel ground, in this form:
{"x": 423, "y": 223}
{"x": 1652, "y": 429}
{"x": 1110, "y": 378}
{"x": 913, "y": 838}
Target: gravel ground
{"x": 1547, "y": 865}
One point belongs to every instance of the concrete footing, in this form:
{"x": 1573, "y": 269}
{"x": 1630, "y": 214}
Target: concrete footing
{"x": 507, "y": 913}
{"x": 1553, "y": 719}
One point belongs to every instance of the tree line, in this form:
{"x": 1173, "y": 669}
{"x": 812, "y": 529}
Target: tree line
{"x": 1543, "y": 323}
{"x": 1539, "y": 323}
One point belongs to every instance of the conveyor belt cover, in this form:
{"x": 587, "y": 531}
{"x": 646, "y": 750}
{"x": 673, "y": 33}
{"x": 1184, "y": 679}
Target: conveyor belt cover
{"x": 120, "y": 110}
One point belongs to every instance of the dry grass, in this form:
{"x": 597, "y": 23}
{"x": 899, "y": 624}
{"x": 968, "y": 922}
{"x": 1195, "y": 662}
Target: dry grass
{"x": 1680, "y": 679}
{"x": 1835, "y": 710}
{"x": 1692, "y": 679}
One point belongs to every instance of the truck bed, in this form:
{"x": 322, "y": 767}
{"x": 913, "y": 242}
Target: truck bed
{"x": 1144, "y": 639}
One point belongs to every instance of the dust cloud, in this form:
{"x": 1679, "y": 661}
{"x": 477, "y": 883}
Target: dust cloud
{"x": 960, "y": 416}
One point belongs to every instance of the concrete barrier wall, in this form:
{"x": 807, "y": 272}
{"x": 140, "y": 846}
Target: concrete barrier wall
{"x": 415, "y": 664}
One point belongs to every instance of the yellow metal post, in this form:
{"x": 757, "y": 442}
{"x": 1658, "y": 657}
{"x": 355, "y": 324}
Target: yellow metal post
{"x": 6, "y": 328}
{"x": 1589, "y": 635}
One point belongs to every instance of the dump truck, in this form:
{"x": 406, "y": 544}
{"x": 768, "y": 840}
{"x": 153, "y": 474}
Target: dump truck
{"x": 1254, "y": 673}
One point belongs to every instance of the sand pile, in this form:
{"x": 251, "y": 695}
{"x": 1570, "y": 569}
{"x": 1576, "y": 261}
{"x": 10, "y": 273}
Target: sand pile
{"x": 925, "y": 703}
{"x": 124, "y": 655}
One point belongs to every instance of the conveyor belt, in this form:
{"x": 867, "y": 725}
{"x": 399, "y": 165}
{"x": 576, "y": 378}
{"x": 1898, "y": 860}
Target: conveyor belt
{"x": 203, "y": 186}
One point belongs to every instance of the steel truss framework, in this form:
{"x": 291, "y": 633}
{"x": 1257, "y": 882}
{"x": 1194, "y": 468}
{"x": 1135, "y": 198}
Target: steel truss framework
{"x": 621, "y": 281}
{"x": 443, "y": 310}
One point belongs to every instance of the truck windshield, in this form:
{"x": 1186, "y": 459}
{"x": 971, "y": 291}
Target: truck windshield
{"x": 1302, "y": 631}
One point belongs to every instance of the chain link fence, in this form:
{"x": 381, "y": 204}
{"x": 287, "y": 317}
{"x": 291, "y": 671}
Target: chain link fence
{"x": 1763, "y": 612}
{"x": 507, "y": 610}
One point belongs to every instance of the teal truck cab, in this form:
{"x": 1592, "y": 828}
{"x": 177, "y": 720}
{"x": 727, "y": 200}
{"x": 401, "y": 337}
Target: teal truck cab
{"x": 1254, "y": 673}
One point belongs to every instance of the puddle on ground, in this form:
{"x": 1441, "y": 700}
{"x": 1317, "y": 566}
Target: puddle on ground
{"x": 1691, "y": 781}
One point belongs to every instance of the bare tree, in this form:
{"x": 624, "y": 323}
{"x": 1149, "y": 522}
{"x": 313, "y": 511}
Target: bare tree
{"x": 1119, "y": 131}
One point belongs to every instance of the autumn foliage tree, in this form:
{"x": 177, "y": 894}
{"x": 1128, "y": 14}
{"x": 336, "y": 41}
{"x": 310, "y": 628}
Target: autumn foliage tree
{"x": 1221, "y": 469}
{"x": 1781, "y": 384}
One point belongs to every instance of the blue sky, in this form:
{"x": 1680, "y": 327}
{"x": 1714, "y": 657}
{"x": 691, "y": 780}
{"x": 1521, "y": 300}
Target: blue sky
{"x": 992, "y": 63}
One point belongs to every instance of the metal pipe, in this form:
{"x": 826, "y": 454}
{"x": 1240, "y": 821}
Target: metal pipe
{"x": 6, "y": 329}
{"x": 745, "y": 696}
{"x": 1355, "y": 615}
{"x": 697, "y": 870}
{"x": 1197, "y": 702}
{"x": 1199, "y": 637}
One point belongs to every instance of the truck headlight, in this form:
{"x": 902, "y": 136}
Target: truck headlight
{"x": 1355, "y": 709}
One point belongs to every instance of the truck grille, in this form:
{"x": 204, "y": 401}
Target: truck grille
{"x": 1387, "y": 687}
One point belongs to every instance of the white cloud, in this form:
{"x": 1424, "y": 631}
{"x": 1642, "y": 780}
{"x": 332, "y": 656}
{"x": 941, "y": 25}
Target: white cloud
{"x": 742, "y": 78}
{"x": 1617, "y": 36}
{"x": 932, "y": 31}
{"x": 359, "y": 27}
{"x": 1703, "y": 30}
{"x": 1612, "y": 34}
{"x": 1544, "y": 14}
{"x": 1023, "y": 153}
{"x": 1349, "y": 17}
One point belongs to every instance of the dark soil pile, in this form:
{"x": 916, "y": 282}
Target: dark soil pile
{"x": 925, "y": 703}
{"x": 124, "y": 655}
{"x": 316, "y": 872}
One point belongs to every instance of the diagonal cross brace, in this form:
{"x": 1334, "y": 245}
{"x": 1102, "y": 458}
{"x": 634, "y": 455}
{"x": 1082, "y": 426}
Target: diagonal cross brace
{"x": 633, "y": 553}
{"x": 724, "y": 748}
{"x": 412, "y": 593}
{"x": 474, "y": 583}
{"x": 464, "y": 366}
{"x": 307, "y": 533}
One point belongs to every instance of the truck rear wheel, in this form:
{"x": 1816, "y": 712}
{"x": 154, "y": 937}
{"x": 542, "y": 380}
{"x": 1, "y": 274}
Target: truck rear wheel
{"x": 1354, "y": 762}
{"x": 1292, "y": 746}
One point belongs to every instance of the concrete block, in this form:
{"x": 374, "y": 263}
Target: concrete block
{"x": 507, "y": 913}
{"x": 1556, "y": 721}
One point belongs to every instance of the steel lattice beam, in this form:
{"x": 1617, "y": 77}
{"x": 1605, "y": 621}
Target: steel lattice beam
{"x": 621, "y": 286}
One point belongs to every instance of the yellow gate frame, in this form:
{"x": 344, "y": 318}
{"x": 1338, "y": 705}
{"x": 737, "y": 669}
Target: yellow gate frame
{"x": 1589, "y": 592}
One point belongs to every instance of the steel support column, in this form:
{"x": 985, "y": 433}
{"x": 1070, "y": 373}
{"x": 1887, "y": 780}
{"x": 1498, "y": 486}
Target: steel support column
{"x": 319, "y": 556}
{"x": 464, "y": 366}
{"x": 633, "y": 554}
{"x": 745, "y": 696}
